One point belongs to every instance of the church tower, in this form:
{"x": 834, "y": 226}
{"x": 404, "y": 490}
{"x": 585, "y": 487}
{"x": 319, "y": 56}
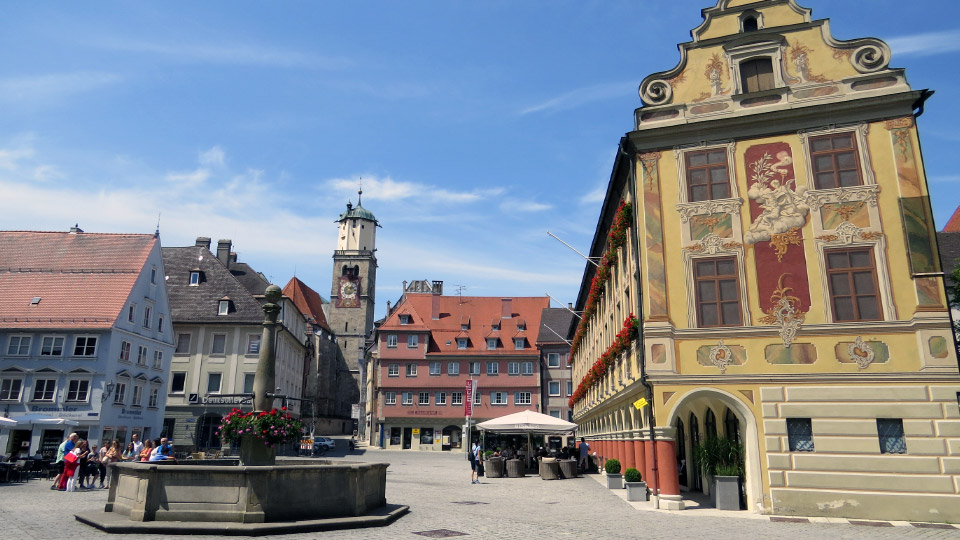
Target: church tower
{"x": 352, "y": 294}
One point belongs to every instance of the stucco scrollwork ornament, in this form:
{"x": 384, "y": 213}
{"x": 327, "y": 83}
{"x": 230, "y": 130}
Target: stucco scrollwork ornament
{"x": 785, "y": 313}
{"x": 725, "y": 206}
{"x": 712, "y": 244}
{"x": 861, "y": 353}
{"x": 721, "y": 356}
{"x": 870, "y": 58}
{"x": 784, "y": 206}
{"x": 656, "y": 92}
{"x": 847, "y": 232}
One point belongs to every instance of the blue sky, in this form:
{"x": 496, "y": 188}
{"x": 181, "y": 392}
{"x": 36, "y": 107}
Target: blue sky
{"x": 476, "y": 126}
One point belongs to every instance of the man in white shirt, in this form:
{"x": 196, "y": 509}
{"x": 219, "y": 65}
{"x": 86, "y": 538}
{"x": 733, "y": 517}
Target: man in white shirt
{"x": 137, "y": 445}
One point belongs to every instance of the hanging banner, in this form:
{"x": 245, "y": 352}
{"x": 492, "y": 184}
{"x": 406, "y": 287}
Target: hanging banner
{"x": 470, "y": 388}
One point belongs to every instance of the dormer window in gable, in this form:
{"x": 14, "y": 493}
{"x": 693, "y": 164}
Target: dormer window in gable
{"x": 404, "y": 318}
{"x": 195, "y": 277}
{"x": 223, "y": 307}
{"x": 751, "y": 21}
{"x": 462, "y": 343}
{"x": 756, "y": 63}
{"x": 521, "y": 325}
{"x": 756, "y": 75}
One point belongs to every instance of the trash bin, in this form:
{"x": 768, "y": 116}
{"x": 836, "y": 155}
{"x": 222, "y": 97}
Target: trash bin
{"x": 549, "y": 469}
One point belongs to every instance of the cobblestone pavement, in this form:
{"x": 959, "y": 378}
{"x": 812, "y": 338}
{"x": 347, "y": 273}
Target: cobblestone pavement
{"x": 437, "y": 489}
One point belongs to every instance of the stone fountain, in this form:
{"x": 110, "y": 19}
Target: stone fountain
{"x": 261, "y": 495}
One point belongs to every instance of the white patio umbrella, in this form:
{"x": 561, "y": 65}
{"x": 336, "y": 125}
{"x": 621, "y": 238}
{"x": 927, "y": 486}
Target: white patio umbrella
{"x": 530, "y": 423}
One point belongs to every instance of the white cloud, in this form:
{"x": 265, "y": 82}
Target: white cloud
{"x": 594, "y": 196}
{"x": 233, "y": 53}
{"x": 945, "y": 179}
{"x": 194, "y": 177}
{"x": 46, "y": 173}
{"x": 388, "y": 189}
{"x": 581, "y": 96}
{"x": 53, "y": 86}
{"x": 925, "y": 44}
{"x": 524, "y": 206}
{"x": 10, "y": 158}
{"x": 213, "y": 157}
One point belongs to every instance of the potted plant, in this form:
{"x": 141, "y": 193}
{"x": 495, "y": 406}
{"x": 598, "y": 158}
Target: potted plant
{"x": 614, "y": 478}
{"x": 636, "y": 488}
{"x": 722, "y": 459}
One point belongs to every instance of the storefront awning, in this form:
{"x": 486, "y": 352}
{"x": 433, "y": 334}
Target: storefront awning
{"x": 43, "y": 420}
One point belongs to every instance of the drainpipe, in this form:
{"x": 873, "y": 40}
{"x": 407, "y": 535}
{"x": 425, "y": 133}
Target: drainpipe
{"x": 644, "y": 377}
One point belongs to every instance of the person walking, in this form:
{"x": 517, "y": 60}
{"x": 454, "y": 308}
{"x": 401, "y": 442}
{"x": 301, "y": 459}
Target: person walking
{"x": 474, "y": 463}
{"x": 584, "y": 455}
{"x": 66, "y": 446}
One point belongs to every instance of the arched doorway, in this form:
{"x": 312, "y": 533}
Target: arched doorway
{"x": 682, "y": 453}
{"x": 452, "y": 437}
{"x": 739, "y": 419}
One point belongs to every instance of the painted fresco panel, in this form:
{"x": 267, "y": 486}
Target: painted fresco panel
{"x": 798, "y": 353}
{"x": 777, "y": 219}
{"x": 880, "y": 350}
{"x": 720, "y": 224}
{"x": 653, "y": 226}
{"x": 658, "y": 353}
{"x": 938, "y": 347}
{"x": 738, "y": 355}
{"x": 853, "y": 212}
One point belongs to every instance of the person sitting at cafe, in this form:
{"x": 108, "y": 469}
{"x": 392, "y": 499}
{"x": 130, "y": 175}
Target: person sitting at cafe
{"x": 164, "y": 453}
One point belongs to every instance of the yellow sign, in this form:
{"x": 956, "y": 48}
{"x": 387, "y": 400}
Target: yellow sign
{"x": 416, "y": 431}
{"x": 640, "y": 403}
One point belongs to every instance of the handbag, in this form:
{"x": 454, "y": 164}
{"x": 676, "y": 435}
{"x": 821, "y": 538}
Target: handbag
{"x": 479, "y": 468}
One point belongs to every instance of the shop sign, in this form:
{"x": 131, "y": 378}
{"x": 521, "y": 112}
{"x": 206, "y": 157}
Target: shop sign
{"x": 423, "y": 413}
{"x": 219, "y": 400}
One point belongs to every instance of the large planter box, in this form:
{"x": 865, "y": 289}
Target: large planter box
{"x": 494, "y": 467}
{"x": 515, "y": 468}
{"x": 549, "y": 469}
{"x": 727, "y": 492}
{"x": 615, "y": 481}
{"x": 568, "y": 468}
{"x": 636, "y": 491}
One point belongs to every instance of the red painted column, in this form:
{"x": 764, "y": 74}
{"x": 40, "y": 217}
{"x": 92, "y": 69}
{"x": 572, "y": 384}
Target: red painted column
{"x": 639, "y": 456}
{"x": 622, "y": 454}
{"x": 669, "y": 479}
{"x": 629, "y": 462}
{"x": 648, "y": 467}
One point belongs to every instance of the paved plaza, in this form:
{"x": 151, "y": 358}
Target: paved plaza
{"x": 436, "y": 487}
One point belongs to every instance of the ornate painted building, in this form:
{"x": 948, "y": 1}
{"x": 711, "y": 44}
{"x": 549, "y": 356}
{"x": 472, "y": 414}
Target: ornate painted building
{"x": 771, "y": 229}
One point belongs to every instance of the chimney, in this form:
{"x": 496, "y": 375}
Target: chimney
{"x": 569, "y": 305}
{"x": 76, "y": 229}
{"x": 203, "y": 241}
{"x": 506, "y": 308}
{"x": 233, "y": 256}
{"x": 437, "y": 287}
{"x": 223, "y": 251}
{"x": 435, "y": 306}
{"x": 404, "y": 285}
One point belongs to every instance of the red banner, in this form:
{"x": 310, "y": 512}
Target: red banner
{"x": 468, "y": 397}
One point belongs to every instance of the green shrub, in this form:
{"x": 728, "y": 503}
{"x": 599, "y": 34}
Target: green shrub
{"x": 719, "y": 457}
{"x": 612, "y": 466}
{"x": 487, "y": 454}
{"x": 632, "y": 475}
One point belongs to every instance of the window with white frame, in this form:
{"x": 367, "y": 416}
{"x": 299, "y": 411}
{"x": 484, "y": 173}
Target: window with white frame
{"x": 411, "y": 370}
{"x": 493, "y": 368}
{"x": 519, "y": 343}
{"x": 456, "y": 398}
{"x": 223, "y": 307}
{"x": 513, "y": 368}
{"x": 154, "y": 398}
{"x": 219, "y": 344}
{"x": 137, "y": 395}
{"x": 522, "y": 398}
{"x": 461, "y": 343}
{"x": 553, "y": 360}
{"x": 555, "y": 413}
{"x": 125, "y": 351}
{"x": 476, "y": 398}
{"x": 553, "y": 388}
{"x": 147, "y": 316}
{"x": 18, "y": 346}
{"x": 435, "y": 367}
{"x": 526, "y": 368}
{"x": 441, "y": 398}
{"x": 178, "y": 382}
{"x": 213, "y": 382}
{"x": 183, "y": 344}
{"x": 78, "y": 390}
{"x": 413, "y": 341}
{"x": 389, "y": 398}
{"x": 569, "y": 388}
{"x": 407, "y": 398}
{"x": 248, "y": 379}
{"x": 253, "y": 344}
{"x": 141, "y": 355}
{"x": 44, "y": 389}
{"x": 160, "y": 323}
{"x": 51, "y": 346}
{"x": 498, "y": 398}
{"x": 474, "y": 368}
{"x": 491, "y": 343}
{"x": 157, "y": 359}
{"x": 404, "y": 319}
{"x": 120, "y": 393}
{"x": 85, "y": 346}
{"x": 132, "y": 313}
{"x": 153, "y": 275}
{"x": 453, "y": 368}
{"x": 423, "y": 398}
{"x": 194, "y": 278}
{"x": 391, "y": 340}
{"x": 393, "y": 370}
{"x": 10, "y": 389}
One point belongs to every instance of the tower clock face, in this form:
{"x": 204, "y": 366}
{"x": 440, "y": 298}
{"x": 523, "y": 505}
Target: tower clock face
{"x": 349, "y": 292}
{"x": 348, "y": 289}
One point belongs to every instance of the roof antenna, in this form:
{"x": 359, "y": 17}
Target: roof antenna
{"x": 360, "y": 191}
{"x": 156, "y": 233}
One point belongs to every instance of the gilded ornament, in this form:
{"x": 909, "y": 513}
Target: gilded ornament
{"x": 785, "y": 312}
{"x": 721, "y": 356}
{"x": 861, "y": 353}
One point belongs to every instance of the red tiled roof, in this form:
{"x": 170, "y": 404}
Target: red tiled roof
{"x": 307, "y": 300}
{"x": 454, "y": 309}
{"x": 83, "y": 280}
{"x": 953, "y": 224}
